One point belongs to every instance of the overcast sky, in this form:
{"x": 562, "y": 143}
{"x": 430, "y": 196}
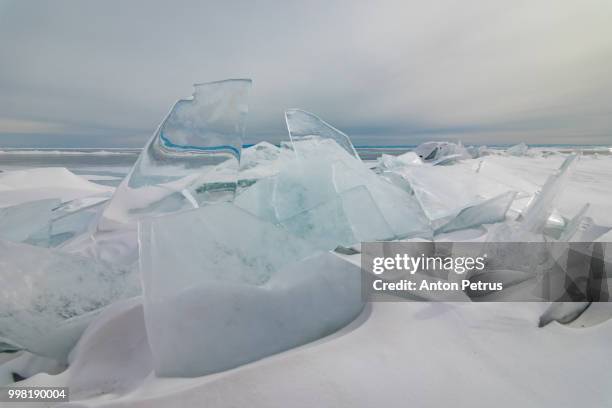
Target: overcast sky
{"x": 104, "y": 73}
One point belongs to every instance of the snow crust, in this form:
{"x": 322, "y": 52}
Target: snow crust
{"x": 429, "y": 354}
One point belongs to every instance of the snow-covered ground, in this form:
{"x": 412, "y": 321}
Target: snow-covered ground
{"x": 408, "y": 354}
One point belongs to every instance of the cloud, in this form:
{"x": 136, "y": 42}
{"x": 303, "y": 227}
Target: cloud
{"x": 17, "y": 126}
{"x": 392, "y": 70}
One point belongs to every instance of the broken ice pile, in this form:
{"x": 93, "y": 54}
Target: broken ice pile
{"x": 451, "y": 198}
{"x": 236, "y": 245}
{"x": 256, "y": 277}
{"x": 327, "y": 196}
{"x": 48, "y": 295}
{"x": 192, "y": 159}
{"x": 561, "y": 272}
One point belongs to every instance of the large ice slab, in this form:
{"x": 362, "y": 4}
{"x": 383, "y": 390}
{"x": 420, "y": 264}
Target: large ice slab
{"x": 303, "y": 184}
{"x": 304, "y": 125}
{"x": 49, "y": 223}
{"x": 47, "y": 297}
{"x": 572, "y": 227}
{"x": 234, "y": 246}
{"x": 487, "y": 212}
{"x": 299, "y": 186}
{"x": 437, "y": 195}
{"x": 71, "y": 223}
{"x": 326, "y": 221}
{"x": 28, "y": 222}
{"x": 262, "y": 160}
{"x": 223, "y": 288}
{"x": 534, "y": 217}
{"x": 400, "y": 209}
{"x": 310, "y": 197}
{"x": 193, "y": 158}
{"x": 349, "y": 218}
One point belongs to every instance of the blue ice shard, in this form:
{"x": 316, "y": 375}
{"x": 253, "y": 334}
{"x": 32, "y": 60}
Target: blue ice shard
{"x": 192, "y": 159}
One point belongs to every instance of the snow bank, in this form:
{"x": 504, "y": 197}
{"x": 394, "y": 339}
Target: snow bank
{"x": 21, "y": 186}
{"x": 393, "y": 352}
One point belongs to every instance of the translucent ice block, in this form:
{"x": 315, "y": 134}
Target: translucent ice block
{"x": 399, "y": 208}
{"x": 349, "y": 218}
{"x": 28, "y": 222}
{"x": 208, "y": 328}
{"x": 572, "y": 227}
{"x": 261, "y": 161}
{"x": 47, "y": 297}
{"x": 232, "y": 244}
{"x": 312, "y": 187}
{"x": 301, "y": 186}
{"x": 534, "y": 217}
{"x": 487, "y": 212}
{"x": 193, "y": 158}
{"x": 305, "y": 125}
{"x": 257, "y": 200}
{"x": 223, "y": 288}
{"x": 68, "y": 225}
